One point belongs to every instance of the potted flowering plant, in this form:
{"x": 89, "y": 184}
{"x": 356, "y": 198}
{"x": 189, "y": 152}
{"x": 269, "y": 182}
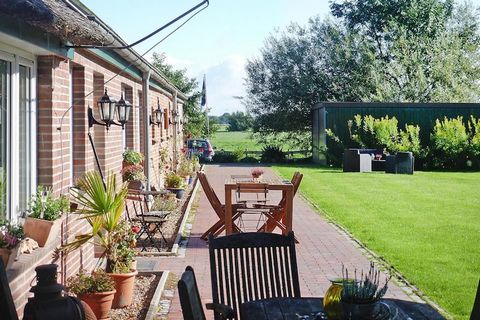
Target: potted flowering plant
{"x": 134, "y": 175}
{"x": 10, "y": 236}
{"x": 97, "y": 290}
{"x": 176, "y": 184}
{"x": 103, "y": 209}
{"x": 44, "y": 211}
{"x": 257, "y": 173}
{"x": 132, "y": 157}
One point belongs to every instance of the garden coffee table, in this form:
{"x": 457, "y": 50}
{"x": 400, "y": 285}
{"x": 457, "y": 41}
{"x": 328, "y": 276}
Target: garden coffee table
{"x": 272, "y": 184}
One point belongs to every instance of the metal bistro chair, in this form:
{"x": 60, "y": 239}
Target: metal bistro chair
{"x": 151, "y": 222}
{"x": 190, "y": 299}
{"x": 276, "y": 213}
{"x": 251, "y": 206}
{"x": 252, "y": 266}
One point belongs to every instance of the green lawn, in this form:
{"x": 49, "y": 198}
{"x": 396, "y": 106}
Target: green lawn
{"x": 231, "y": 141}
{"x": 426, "y": 225}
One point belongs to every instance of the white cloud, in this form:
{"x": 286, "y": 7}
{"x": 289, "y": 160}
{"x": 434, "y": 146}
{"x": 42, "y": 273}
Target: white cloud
{"x": 224, "y": 82}
{"x": 178, "y": 63}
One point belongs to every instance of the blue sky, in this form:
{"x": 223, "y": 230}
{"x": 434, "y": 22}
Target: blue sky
{"x": 217, "y": 42}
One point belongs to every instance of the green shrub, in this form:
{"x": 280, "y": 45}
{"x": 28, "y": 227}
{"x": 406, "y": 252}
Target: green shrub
{"x": 250, "y": 160}
{"x": 132, "y": 156}
{"x": 474, "y": 130}
{"x": 227, "y": 156}
{"x": 44, "y": 205}
{"x": 164, "y": 203}
{"x": 272, "y": 154}
{"x": 449, "y": 143}
{"x": 368, "y": 132}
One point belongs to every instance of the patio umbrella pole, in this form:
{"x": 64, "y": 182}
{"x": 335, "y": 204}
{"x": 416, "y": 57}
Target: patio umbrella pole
{"x": 96, "y": 159}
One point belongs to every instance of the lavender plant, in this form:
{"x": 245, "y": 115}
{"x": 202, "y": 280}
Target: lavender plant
{"x": 364, "y": 290}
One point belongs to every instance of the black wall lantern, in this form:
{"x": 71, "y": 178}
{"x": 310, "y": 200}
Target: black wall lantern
{"x": 157, "y": 117}
{"x": 108, "y": 108}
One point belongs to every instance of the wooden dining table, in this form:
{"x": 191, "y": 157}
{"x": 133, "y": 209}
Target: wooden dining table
{"x": 285, "y": 186}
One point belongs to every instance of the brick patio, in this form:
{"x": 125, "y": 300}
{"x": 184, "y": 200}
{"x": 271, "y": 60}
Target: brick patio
{"x": 321, "y": 250}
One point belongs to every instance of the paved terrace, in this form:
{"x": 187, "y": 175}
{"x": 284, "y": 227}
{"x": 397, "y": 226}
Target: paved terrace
{"x": 321, "y": 250}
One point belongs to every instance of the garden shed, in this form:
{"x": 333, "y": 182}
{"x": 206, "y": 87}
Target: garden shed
{"x": 334, "y": 116}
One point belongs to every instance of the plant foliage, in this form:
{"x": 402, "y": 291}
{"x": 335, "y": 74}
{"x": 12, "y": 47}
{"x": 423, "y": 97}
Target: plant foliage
{"x": 364, "y": 290}
{"x": 272, "y": 154}
{"x": 132, "y": 157}
{"x": 44, "y": 205}
{"x": 97, "y": 281}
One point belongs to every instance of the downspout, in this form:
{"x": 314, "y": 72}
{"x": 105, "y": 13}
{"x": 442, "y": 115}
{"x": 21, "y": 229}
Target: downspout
{"x": 175, "y": 124}
{"x": 146, "y": 127}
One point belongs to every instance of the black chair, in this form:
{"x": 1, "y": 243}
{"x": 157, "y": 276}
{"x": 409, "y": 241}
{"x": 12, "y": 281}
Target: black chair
{"x": 476, "y": 305}
{"x": 191, "y": 302}
{"x": 150, "y": 221}
{"x": 7, "y": 306}
{"x": 252, "y": 266}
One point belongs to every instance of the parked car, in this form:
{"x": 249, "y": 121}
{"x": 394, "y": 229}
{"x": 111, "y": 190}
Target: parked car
{"x": 202, "y": 148}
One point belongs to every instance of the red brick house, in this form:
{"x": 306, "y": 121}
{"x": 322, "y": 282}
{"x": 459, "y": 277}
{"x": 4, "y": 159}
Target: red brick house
{"x": 45, "y": 91}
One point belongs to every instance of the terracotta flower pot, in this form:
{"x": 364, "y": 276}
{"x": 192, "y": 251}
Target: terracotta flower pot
{"x": 41, "y": 230}
{"x": 124, "y": 283}
{"x": 5, "y": 255}
{"x": 135, "y": 185}
{"x": 100, "y": 303}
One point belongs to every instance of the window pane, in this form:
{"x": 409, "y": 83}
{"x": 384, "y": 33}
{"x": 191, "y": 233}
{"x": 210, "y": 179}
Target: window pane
{"x": 4, "y": 101}
{"x": 24, "y": 137}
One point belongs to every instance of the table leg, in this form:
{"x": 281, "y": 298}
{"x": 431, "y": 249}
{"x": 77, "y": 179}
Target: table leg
{"x": 228, "y": 211}
{"x": 288, "y": 211}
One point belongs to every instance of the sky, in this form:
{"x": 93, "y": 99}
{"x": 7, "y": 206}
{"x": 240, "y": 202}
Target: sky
{"x": 217, "y": 42}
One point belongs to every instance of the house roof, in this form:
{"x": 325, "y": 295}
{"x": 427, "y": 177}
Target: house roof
{"x": 55, "y": 17}
{"x": 72, "y": 22}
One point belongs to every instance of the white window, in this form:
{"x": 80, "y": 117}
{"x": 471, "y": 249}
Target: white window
{"x": 17, "y": 133}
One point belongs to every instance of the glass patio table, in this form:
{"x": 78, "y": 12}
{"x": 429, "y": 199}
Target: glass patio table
{"x": 307, "y": 309}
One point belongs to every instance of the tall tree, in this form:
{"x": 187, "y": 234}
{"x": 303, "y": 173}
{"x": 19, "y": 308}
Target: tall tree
{"x": 196, "y": 125}
{"x": 371, "y": 50}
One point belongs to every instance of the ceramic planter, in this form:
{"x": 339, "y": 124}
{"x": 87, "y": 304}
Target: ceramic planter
{"x": 42, "y": 231}
{"x": 5, "y": 255}
{"x": 360, "y": 311}
{"x": 135, "y": 185}
{"x": 179, "y": 192}
{"x": 100, "y": 303}
{"x": 124, "y": 283}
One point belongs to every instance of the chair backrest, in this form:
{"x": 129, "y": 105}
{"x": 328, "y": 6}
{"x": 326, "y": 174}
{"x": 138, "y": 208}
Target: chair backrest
{"x": 252, "y": 266}
{"x": 476, "y": 305}
{"x": 209, "y": 192}
{"x": 251, "y": 188}
{"x": 135, "y": 205}
{"x": 7, "y": 306}
{"x": 296, "y": 180}
{"x": 189, "y": 296}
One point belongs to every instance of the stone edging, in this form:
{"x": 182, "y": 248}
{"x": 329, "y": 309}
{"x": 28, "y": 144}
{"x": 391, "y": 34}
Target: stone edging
{"x": 153, "y": 308}
{"x": 402, "y": 282}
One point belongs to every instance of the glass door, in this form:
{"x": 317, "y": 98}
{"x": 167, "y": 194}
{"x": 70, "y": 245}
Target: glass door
{"x": 24, "y": 182}
{"x": 4, "y": 107}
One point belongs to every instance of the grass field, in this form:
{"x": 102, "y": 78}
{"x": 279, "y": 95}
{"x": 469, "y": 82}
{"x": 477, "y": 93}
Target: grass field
{"x": 426, "y": 225}
{"x": 231, "y": 141}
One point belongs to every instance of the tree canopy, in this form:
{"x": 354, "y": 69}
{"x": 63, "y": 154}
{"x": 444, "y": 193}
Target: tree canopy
{"x": 196, "y": 125}
{"x": 368, "y": 50}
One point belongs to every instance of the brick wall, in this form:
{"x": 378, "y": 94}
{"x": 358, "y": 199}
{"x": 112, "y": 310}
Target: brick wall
{"x": 62, "y": 144}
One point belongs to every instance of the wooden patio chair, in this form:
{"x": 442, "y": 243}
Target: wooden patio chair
{"x": 190, "y": 299}
{"x": 137, "y": 210}
{"x": 276, "y": 213}
{"x": 218, "y": 207}
{"x": 251, "y": 208}
{"x": 476, "y": 305}
{"x": 252, "y": 266}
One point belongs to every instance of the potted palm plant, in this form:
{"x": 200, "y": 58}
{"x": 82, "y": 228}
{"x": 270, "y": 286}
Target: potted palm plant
{"x": 176, "y": 184}
{"x": 44, "y": 211}
{"x": 103, "y": 208}
{"x": 97, "y": 290}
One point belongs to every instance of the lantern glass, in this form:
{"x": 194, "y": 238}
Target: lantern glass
{"x": 159, "y": 115}
{"x": 123, "y": 110}
{"x": 106, "y": 107}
